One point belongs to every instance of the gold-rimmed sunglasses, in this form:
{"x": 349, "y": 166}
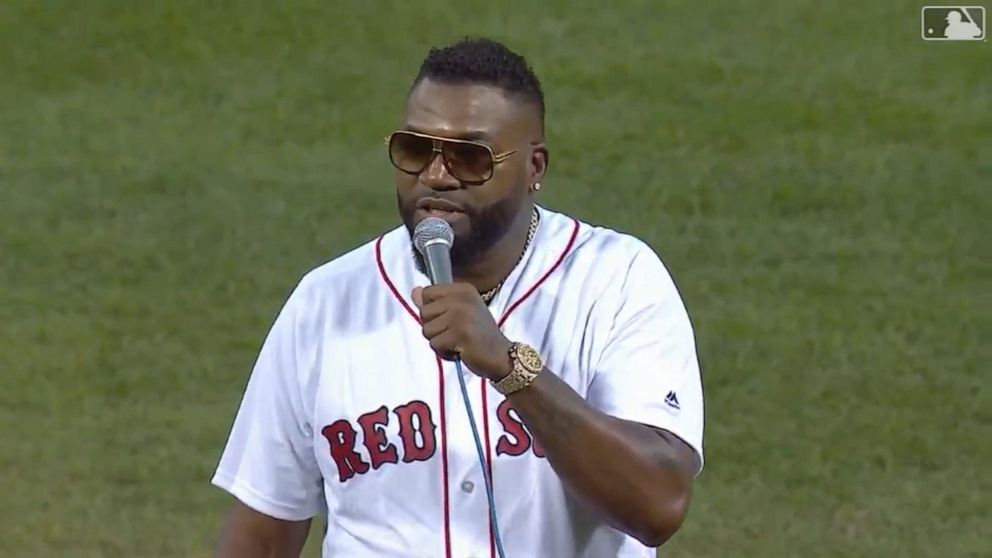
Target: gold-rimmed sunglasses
{"x": 471, "y": 162}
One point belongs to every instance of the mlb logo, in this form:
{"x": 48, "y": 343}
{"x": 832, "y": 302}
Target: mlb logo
{"x": 953, "y": 23}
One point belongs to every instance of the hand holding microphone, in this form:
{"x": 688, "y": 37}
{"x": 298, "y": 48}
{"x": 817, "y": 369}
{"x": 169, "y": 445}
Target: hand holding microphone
{"x": 453, "y": 317}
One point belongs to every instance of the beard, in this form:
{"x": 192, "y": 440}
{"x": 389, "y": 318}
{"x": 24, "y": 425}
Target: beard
{"x": 486, "y": 226}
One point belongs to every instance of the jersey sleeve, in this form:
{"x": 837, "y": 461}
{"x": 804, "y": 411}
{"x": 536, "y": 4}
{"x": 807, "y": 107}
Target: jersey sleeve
{"x": 648, "y": 371}
{"x": 269, "y": 462}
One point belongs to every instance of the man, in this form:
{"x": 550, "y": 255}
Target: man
{"x": 579, "y": 362}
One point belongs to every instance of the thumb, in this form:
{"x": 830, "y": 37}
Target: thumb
{"x": 418, "y": 297}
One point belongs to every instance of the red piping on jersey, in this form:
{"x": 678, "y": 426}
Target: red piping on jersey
{"x": 444, "y": 460}
{"x": 440, "y": 389}
{"x": 385, "y": 277}
{"x": 485, "y": 398}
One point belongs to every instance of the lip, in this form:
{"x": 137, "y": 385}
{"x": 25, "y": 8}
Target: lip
{"x": 450, "y": 216}
{"x": 432, "y": 205}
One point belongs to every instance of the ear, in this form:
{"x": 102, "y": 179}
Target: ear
{"x": 538, "y": 163}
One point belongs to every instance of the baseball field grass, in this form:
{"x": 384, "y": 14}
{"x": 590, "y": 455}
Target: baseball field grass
{"x": 816, "y": 177}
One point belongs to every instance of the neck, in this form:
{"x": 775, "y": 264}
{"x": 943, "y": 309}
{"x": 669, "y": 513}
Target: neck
{"x": 500, "y": 259}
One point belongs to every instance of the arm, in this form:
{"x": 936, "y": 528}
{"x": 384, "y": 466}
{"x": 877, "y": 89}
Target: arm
{"x": 626, "y": 449}
{"x": 250, "y": 534}
{"x": 638, "y": 477}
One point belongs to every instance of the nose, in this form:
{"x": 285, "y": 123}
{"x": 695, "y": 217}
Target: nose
{"x": 436, "y": 175}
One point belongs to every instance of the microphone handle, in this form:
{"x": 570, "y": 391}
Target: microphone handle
{"x": 437, "y": 257}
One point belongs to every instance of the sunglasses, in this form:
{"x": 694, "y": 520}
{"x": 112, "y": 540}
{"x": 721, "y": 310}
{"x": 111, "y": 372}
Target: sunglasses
{"x": 471, "y": 162}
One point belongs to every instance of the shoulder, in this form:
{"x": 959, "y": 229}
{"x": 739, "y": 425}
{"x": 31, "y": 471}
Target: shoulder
{"x": 616, "y": 268}
{"x": 347, "y": 273}
{"x": 600, "y": 248}
{"x": 349, "y": 269}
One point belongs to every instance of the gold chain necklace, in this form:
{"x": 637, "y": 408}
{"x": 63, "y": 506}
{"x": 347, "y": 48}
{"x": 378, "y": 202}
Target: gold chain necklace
{"x": 535, "y": 218}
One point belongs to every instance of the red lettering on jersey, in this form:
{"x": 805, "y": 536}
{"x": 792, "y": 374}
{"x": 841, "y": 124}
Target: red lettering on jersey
{"x": 514, "y": 429}
{"x": 517, "y": 431}
{"x": 341, "y": 437}
{"x": 409, "y": 428}
{"x": 380, "y": 450}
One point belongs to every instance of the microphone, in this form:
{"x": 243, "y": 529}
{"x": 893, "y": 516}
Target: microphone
{"x": 433, "y": 238}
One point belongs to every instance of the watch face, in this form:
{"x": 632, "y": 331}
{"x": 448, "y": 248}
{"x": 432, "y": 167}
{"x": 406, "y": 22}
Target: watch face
{"x": 529, "y": 358}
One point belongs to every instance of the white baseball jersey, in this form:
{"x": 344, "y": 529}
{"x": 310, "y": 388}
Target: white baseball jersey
{"x": 349, "y": 412}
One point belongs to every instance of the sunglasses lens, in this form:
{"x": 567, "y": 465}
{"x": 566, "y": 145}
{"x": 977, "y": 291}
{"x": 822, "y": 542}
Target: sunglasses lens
{"x": 410, "y": 153}
{"x": 468, "y": 162}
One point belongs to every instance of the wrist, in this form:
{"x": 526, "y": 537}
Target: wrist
{"x": 503, "y": 364}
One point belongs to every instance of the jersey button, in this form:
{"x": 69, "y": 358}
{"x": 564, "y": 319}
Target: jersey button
{"x": 468, "y": 486}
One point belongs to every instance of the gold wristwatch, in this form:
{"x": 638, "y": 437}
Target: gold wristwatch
{"x": 526, "y": 366}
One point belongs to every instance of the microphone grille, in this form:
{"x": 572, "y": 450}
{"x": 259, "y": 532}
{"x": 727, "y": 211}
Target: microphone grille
{"x": 430, "y": 230}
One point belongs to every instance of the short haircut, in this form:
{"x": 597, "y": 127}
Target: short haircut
{"x": 486, "y": 62}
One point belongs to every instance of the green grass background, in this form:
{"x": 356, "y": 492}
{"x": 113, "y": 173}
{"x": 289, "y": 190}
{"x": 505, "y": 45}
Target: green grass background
{"x": 815, "y": 175}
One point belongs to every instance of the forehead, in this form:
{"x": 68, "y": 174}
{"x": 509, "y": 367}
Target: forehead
{"x": 468, "y": 111}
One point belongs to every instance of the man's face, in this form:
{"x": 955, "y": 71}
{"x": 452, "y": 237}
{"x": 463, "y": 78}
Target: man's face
{"x": 482, "y": 214}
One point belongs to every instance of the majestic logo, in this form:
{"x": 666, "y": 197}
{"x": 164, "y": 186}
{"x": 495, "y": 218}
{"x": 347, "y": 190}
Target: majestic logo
{"x": 672, "y": 400}
{"x": 417, "y": 438}
{"x": 952, "y": 23}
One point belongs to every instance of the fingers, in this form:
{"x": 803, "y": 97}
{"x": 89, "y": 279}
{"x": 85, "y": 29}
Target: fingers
{"x": 434, "y": 327}
{"x": 450, "y": 316}
{"x": 443, "y": 339}
{"x": 435, "y": 300}
{"x": 446, "y": 344}
{"x": 432, "y": 293}
{"x": 461, "y": 291}
{"x": 433, "y": 311}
